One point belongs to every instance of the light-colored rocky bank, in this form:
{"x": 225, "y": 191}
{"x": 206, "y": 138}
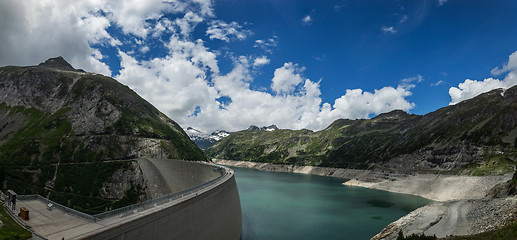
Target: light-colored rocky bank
{"x": 434, "y": 186}
{"x": 321, "y": 171}
{"x": 458, "y": 218}
{"x": 460, "y": 206}
{"x": 431, "y": 186}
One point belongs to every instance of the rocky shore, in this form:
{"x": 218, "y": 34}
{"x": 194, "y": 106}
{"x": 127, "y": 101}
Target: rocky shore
{"x": 462, "y": 204}
{"x": 434, "y": 186}
{"x": 460, "y": 207}
{"x": 321, "y": 171}
{"x": 458, "y": 218}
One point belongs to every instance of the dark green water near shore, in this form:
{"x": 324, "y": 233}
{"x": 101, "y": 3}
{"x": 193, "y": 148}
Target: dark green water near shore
{"x": 299, "y": 206}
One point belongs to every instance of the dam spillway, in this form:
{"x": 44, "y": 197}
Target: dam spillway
{"x": 203, "y": 203}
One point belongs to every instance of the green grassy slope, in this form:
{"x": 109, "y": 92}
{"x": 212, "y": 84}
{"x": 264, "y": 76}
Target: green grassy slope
{"x": 68, "y": 134}
{"x": 11, "y": 230}
{"x": 477, "y": 135}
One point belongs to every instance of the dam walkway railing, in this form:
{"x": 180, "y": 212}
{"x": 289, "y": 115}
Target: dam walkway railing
{"x": 134, "y": 207}
{"x": 56, "y": 205}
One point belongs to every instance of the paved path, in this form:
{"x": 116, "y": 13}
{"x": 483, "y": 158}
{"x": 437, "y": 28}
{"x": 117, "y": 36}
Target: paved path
{"x": 447, "y": 225}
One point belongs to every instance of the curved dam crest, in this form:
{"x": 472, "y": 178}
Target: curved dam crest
{"x": 164, "y": 176}
{"x": 208, "y": 207}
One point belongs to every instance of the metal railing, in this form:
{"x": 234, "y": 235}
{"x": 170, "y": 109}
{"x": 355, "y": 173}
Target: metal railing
{"x": 131, "y": 208}
{"x": 63, "y": 208}
{"x": 160, "y": 200}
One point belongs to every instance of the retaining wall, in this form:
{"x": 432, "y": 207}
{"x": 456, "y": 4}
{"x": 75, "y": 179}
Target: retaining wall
{"x": 213, "y": 212}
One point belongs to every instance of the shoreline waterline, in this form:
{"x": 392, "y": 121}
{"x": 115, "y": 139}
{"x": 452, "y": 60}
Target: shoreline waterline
{"x": 288, "y": 206}
{"x": 446, "y": 192}
{"x": 435, "y": 187}
{"x": 342, "y": 173}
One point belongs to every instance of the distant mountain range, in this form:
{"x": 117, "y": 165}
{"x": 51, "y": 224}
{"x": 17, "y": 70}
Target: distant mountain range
{"x": 203, "y": 140}
{"x": 267, "y": 129}
{"x": 476, "y": 136}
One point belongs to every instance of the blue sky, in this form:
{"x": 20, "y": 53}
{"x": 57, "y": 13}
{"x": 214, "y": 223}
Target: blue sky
{"x": 344, "y": 44}
{"x": 228, "y": 64}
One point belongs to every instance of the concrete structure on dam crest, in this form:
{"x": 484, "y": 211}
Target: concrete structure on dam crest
{"x": 202, "y": 203}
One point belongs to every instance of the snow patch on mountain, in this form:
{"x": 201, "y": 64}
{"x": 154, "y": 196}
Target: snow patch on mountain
{"x": 267, "y": 129}
{"x": 205, "y": 140}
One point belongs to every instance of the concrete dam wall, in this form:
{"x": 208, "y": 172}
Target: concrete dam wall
{"x": 165, "y": 176}
{"x": 194, "y": 200}
{"x": 213, "y": 212}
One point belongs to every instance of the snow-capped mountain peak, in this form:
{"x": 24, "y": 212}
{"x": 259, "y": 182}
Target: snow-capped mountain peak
{"x": 205, "y": 140}
{"x": 192, "y": 131}
{"x": 219, "y": 134}
{"x": 267, "y": 129}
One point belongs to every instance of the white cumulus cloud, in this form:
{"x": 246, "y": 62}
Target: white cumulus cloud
{"x": 32, "y": 31}
{"x": 390, "y": 29}
{"x": 437, "y": 83}
{"x": 144, "y": 49}
{"x": 509, "y": 66}
{"x": 357, "y": 103}
{"x": 267, "y": 44}
{"x": 188, "y": 23}
{"x": 225, "y": 31}
{"x": 173, "y": 84}
{"x": 133, "y": 16}
{"x": 410, "y": 82}
{"x": 307, "y": 19}
{"x": 259, "y": 61}
{"x": 184, "y": 81}
{"x": 286, "y": 78}
{"x": 471, "y": 88}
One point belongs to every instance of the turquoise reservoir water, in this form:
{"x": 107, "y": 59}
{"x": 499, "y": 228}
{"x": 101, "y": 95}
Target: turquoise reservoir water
{"x": 298, "y": 206}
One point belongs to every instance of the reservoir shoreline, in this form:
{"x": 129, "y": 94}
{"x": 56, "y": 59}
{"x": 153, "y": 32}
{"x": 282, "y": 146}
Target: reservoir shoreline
{"x": 460, "y": 207}
{"x": 436, "y": 187}
{"x": 320, "y": 171}
{"x": 288, "y": 206}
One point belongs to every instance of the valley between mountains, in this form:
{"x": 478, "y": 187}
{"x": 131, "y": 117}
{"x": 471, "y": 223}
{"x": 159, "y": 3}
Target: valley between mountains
{"x": 78, "y": 138}
{"x": 462, "y": 156}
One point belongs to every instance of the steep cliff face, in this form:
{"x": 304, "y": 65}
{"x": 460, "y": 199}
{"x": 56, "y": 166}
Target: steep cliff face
{"x": 73, "y": 136}
{"x": 476, "y": 136}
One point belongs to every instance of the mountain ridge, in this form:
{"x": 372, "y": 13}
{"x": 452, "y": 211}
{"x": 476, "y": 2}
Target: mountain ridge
{"x": 264, "y": 128}
{"x": 73, "y": 136}
{"x": 203, "y": 140}
{"x": 58, "y": 63}
{"x": 469, "y": 136}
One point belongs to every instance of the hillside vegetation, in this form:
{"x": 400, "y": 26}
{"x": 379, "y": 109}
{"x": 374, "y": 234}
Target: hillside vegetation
{"x": 476, "y": 137}
{"x": 11, "y": 230}
{"x": 73, "y": 136}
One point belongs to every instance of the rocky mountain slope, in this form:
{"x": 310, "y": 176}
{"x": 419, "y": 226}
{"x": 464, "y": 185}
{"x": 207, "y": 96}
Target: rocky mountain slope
{"x": 264, "y": 128}
{"x": 476, "y": 136}
{"x": 203, "y": 140}
{"x": 73, "y": 136}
